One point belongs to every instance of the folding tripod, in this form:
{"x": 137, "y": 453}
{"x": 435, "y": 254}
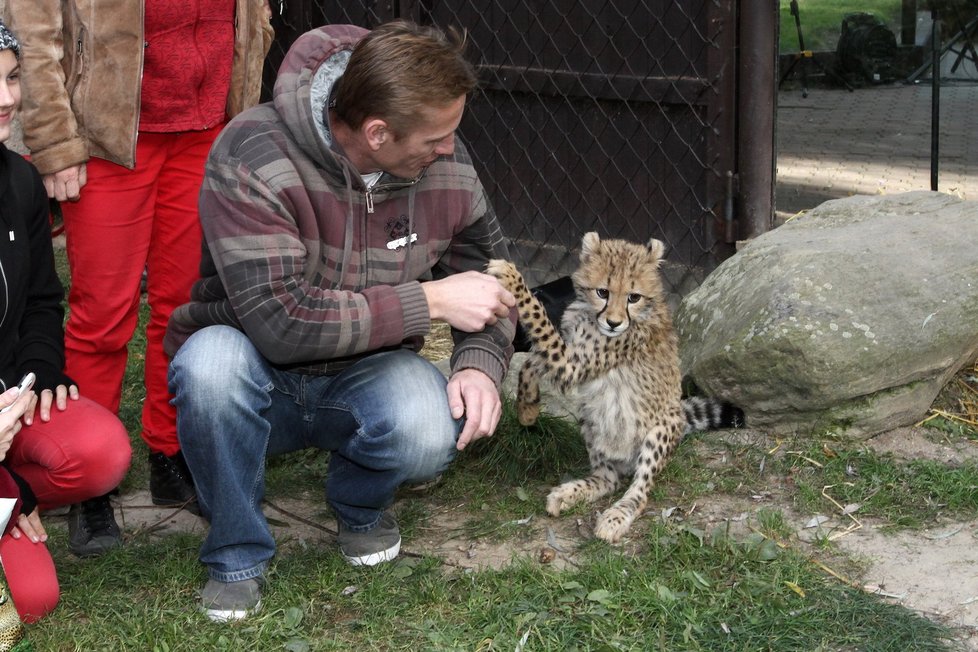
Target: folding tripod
{"x": 805, "y": 56}
{"x": 965, "y": 39}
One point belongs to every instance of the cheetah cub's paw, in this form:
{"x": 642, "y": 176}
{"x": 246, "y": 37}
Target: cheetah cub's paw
{"x": 562, "y": 497}
{"x": 612, "y": 525}
{"x": 509, "y": 277}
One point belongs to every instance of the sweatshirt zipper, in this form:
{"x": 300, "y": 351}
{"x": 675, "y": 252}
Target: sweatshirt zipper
{"x": 385, "y": 187}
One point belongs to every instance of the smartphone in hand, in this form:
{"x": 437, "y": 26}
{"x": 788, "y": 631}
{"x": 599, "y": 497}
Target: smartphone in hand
{"x": 24, "y": 386}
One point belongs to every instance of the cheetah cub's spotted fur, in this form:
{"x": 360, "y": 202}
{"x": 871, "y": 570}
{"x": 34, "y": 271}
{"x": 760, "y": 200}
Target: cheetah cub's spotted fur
{"x": 620, "y": 352}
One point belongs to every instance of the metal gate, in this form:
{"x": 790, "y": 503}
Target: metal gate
{"x": 617, "y": 116}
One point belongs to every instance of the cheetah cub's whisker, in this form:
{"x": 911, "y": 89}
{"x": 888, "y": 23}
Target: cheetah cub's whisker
{"x": 618, "y": 350}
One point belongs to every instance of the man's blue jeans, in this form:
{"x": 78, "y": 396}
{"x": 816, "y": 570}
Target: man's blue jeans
{"x": 385, "y": 421}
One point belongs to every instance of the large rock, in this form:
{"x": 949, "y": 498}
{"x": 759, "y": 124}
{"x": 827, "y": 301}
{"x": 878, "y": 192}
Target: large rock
{"x": 851, "y": 317}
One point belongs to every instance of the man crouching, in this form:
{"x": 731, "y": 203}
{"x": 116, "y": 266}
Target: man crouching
{"x": 340, "y": 220}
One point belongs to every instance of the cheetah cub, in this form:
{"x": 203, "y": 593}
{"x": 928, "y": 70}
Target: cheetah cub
{"x": 619, "y": 351}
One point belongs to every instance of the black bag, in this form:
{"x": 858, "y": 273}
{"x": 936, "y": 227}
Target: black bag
{"x": 866, "y": 51}
{"x": 555, "y": 297}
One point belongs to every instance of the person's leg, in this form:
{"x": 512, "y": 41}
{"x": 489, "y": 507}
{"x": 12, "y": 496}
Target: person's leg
{"x": 387, "y": 422}
{"x": 31, "y": 577}
{"x": 80, "y": 453}
{"x": 173, "y": 266}
{"x": 107, "y": 235}
{"x": 227, "y": 402}
{"x": 75, "y": 459}
{"x": 229, "y": 409}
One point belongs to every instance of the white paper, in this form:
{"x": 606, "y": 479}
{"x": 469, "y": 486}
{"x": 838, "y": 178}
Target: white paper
{"x": 6, "y": 509}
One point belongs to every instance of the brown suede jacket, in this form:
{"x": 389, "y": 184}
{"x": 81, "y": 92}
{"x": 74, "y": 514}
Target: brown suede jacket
{"x": 81, "y": 67}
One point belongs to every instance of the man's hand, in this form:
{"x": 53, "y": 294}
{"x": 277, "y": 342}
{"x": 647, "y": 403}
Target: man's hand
{"x": 59, "y": 398}
{"x": 29, "y": 525}
{"x": 469, "y": 301}
{"x": 472, "y": 394}
{"x": 66, "y": 184}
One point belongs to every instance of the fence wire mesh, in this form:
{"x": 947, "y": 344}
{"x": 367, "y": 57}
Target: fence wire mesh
{"x": 611, "y": 116}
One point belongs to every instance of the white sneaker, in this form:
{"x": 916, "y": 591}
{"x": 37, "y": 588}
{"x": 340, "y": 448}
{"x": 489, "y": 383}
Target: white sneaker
{"x": 226, "y": 601}
{"x": 375, "y": 546}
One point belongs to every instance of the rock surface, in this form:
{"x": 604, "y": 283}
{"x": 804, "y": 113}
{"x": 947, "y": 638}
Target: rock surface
{"x": 851, "y": 317}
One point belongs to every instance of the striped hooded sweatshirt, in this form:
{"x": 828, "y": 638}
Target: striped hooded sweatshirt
{"x": 317, "y": 269}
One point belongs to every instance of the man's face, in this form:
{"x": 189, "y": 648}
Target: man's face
{"x": 406, "y": 155}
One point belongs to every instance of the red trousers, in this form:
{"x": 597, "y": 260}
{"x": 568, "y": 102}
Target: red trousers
{"x": 127, "y": 221}
{"x": 80, "y": 453}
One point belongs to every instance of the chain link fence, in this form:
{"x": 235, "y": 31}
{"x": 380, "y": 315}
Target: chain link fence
{"x": 614, "y": 116}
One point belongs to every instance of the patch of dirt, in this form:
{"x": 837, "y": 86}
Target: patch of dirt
{"x": 933, "y": 571}
{"x": 920, "y": 443}
{"x": 535, "y": 536}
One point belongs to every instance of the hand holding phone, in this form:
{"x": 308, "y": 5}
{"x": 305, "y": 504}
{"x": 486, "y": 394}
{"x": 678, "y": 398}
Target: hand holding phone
{"x": 26, "y": 382}
{"x": 25, "y": 385}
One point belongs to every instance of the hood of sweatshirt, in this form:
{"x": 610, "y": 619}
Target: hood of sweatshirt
{"x": 305, "y": 79}
{"x": 303, "y": 87}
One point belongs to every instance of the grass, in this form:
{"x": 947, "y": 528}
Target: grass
{"x": 821, "y": 21}
{"x": 905, "y": 494}
{"x": 677, "y": 585}
{"x": 687, "y": 590}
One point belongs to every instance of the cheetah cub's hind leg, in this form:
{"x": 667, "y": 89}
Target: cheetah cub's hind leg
{"x": 528, "y": 392}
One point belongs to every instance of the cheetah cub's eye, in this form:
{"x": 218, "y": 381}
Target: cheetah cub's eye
{"x": 601, "y": 292}
{"x": 634, "y": 297}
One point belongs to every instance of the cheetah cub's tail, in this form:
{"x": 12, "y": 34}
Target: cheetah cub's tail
{"x": 705, "y": 413}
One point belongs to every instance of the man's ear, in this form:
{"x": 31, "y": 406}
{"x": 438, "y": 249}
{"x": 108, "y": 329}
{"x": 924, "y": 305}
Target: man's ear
{"x": 376, "y": 132}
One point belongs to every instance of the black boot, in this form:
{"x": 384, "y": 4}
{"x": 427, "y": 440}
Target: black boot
{"x": 170, "y": 482}
{"x": 92, "y": 529}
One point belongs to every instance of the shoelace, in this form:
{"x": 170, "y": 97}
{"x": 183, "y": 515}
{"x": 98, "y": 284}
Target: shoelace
{"x": 178, "y": 468}
{"x": 98, "y": 516}
{"x": 181, "y": 472}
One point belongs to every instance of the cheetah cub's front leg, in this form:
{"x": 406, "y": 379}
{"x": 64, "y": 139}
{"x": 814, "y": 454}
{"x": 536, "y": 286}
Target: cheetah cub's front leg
{"x": 600, "y": 483}
{"x": 528, "y": 389}
{"x": 509, "y": 277}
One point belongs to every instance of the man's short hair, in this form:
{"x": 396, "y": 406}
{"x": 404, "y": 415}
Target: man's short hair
{"x": 398, "y": 68}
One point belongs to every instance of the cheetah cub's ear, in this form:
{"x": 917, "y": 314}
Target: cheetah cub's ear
{"x": 656, "y": 249}
{"x": 589, "y": 245}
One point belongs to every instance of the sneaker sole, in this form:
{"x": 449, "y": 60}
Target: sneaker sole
{"x": 229, "y": 615}
{"x": 376, "y": 557}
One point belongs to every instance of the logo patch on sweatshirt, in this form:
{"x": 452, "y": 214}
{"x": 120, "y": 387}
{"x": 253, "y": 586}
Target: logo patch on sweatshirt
{"x": 397, "y": 231}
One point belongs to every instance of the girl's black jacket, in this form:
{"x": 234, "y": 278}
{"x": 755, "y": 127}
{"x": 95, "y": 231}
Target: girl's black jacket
{"x": 31, "y": 310}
